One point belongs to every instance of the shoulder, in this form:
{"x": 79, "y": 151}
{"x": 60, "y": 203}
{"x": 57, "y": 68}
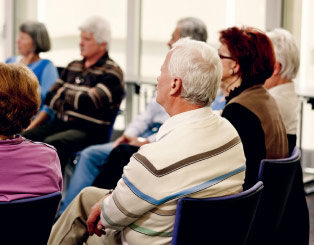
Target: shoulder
{"x": 12, "y": 59}
{"x": 241, "y": 117}
{"x": 43, "y": 146}
{"x": 109, "y": 66}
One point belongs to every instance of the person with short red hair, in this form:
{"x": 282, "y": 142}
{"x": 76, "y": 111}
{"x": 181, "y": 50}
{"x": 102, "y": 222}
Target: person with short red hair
{"x": 248, "y": 59}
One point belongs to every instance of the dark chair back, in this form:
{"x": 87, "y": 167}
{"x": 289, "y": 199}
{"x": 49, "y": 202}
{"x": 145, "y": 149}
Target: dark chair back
{"x": 216, "y": 220}
{"x": 29, "y": 220}
{"x": 277, "y": 176}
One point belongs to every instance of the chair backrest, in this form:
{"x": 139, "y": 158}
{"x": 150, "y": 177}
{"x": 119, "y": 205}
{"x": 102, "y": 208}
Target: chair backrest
{"x": 216, "y": 220}
{"x": 29, "y": 220}
{"x": 277, "y": 176}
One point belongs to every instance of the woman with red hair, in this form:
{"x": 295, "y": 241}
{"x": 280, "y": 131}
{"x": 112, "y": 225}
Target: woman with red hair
{"x": 248, "y": 59}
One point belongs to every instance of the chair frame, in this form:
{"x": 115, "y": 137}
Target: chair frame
{"x": 181, "y": 236}
{"x": 29, "y": 220}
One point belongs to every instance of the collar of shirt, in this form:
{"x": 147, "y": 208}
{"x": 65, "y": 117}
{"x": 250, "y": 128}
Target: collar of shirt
{"x": 282, "y": 87}
{"x": 184, "y": 118}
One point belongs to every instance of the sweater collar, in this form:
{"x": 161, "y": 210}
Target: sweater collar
{"x": 13, "y": 141}
{"x": 184, "y": 118}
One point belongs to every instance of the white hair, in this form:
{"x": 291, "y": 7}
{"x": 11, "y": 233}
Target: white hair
{"x": 200, "y": 69}
{"x": 286, "y": 51}
{"x": 99, "y": 27}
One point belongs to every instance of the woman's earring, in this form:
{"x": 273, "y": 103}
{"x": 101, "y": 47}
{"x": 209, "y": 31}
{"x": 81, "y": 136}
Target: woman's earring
{"x": 231, "y": 71}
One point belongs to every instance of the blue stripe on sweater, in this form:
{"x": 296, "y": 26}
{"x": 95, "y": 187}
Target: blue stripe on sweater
{"x": 183, "y": 192}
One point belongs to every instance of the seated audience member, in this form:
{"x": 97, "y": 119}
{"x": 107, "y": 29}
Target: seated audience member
{"x": 295, "y": 227}
{"x": 142, "y": 130}
{"x": 195, "y": 29}
{"x": 93, "y": 158}
{"x": 196, "y": 154}
{"x": 28, "y": 168}
{"x": 33, "y": 39}
{"x": 248, "y": 59}
{"x": 189, "y": 27}
{"x": 86, "y": 98}
{"x": 280, "y": 85}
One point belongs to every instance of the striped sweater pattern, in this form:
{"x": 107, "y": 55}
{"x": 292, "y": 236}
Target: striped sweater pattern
{"x": 197, "y": 154}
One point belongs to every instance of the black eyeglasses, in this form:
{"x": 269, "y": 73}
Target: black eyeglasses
{"x": 225, "y": 57}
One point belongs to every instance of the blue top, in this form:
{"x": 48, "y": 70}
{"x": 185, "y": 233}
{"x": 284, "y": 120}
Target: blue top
{"x": 46, "y": 73}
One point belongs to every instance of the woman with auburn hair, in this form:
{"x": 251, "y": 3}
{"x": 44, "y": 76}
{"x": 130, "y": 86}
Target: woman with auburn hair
{"x": 248, "y": 59}
{"x": 27, "y": 168}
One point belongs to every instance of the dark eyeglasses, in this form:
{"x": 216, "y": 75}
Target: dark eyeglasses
{"x": 225, "y": 57}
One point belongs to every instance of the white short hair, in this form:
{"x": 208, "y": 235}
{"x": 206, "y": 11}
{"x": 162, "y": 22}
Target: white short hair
{"x": 99, "y": 27}
{"x": 200, "y": 69}
{"x": 286, "y": 51}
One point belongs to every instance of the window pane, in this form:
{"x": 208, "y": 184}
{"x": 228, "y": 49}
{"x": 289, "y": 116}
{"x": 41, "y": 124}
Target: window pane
{"x": 2, "y": 30}
{"x": 62, "y": 19}
{"x": 159, "y": 20}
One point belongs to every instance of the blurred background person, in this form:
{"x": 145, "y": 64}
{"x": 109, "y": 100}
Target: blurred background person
{"x": 189, "y": 27}
{"x": 86, "y": 98}
{"x": 295, "y": 224}
{"x": 280, "y": 85}
{"x": 33, "y": 39}
{"x": 248, "y": 59}
{"x": 27, "y": 168}
{"x": 94, "y": 161}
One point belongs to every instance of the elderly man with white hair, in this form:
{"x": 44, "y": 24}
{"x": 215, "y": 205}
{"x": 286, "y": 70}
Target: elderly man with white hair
{"x": 295, "y": 224}
{"x": 85, "y": 99}
{"x": 280, "y": 85}
{"x": 196, "y": 154}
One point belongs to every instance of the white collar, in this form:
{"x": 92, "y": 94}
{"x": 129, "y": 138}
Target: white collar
{"x": 184, "y": 118}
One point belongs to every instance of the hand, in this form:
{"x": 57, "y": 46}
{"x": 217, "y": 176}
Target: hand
{"x": 122, "y": 139}
{"x": 94, "y": 224}
{"x": 139, "y": 141}
{"x": 41, "y": 118}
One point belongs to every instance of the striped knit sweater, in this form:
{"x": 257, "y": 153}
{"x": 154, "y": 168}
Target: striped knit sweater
{"x": 90, "y": 95}
{"x": 197, "y": 154}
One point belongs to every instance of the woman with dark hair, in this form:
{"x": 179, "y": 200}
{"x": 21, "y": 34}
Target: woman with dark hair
{"x": 33, "y": 39}
{"x": 27, "y": 168}
{"x": 248, "y": 59}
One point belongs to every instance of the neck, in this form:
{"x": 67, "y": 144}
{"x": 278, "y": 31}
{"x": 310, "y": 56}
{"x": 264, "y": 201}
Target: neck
{"x": 180, "y": 107}
{"x": 281, "y": 81}
{"x": 4, "y": 137}
{"x": 29, "y": 58}
{"x": 89, "y": 61}
{"x": 234, "y": 83}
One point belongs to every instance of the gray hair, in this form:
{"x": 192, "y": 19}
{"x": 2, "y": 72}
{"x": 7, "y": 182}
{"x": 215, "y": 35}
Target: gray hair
{"x": 39, "y": 34}
{"x": 200, "y": 69}
{"x": 192, "y": 27}
{"x": 286, "y": 51}
{"x": 99, "y": 27}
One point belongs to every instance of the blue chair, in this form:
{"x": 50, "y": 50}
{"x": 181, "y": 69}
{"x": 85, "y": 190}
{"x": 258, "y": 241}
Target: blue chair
{"x": 278, "y": 176}
{"x": 28, "y": 220}
{"x": 216, "y": 220}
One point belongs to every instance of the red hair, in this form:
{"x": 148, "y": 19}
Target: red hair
{"x": 252, "y": 50}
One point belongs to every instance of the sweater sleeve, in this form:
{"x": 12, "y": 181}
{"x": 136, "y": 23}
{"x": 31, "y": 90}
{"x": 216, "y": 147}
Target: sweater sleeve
{"x": 129, "y": 201}
{"x": 86, "y": 100}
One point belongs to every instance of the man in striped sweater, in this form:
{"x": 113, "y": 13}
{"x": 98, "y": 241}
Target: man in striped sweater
{"x": 85, "y": 99}
{"x": 196, "y": 154}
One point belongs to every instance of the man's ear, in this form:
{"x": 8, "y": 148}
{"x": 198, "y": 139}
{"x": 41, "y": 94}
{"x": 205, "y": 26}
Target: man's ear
{"x": 176, "y": 85}
{"x": 277, "y": 69}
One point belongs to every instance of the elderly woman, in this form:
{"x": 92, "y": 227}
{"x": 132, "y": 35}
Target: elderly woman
{"x": 248, "y": 59}
{"x": 33, "y": 38}
{"x": 27, "y": 168}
